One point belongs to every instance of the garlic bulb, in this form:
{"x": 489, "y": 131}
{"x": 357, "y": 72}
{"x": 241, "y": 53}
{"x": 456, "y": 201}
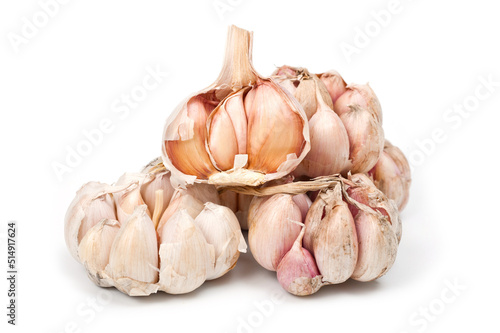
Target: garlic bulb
{"x": 221, "y": 229}
{"x": 364, "y": 191}
{"x": 366, "y": 138}
{"x": 186, "y": 202}
{"x": 239, "y": 204}
{"x": 334, "y": 83}
{"x": 185, "y": 256}
{"x": 392, "y": 175}
{"x": 297, "y": 271}
{"x": 331, "y": 236}
{"x": 95, "y": 247}
{"x": 362, "y": 95}
{"x": 378, "y": 245}
{"x": 242, "y": 130}
{"x": 133, "y": 259}
{"x": 272, "y": 232}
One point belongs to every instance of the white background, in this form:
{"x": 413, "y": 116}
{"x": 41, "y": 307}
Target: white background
{"x": 428, "y": 58}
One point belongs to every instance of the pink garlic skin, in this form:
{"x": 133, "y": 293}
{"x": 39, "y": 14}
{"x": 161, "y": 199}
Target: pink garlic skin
{"x": 297, "y": 271}
{"x": 303, "y": 202}
{"x": 362, "y": 95}
{"x": 334, "y": 83}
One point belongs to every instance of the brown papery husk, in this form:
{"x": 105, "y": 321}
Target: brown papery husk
{"x": 186, "y": 145}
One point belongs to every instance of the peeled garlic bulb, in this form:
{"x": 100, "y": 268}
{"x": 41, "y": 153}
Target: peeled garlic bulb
{"x": 392, "y": 175}
{"x": 362, "y": 95}
{"x": 366, "y": 138}
{"x": 297, "y": 271}
{"x": 133, "y": 260}
{"x": 331, "y": 236}
{"x": 272, "y": 232}
{"x": 242, "y": 130}
{"x": 221, "y": 229}
{"x": 185, "y": 256}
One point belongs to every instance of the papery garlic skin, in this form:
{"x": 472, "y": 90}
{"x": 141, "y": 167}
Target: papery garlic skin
{"x": 362, "y": 95}
{"x": 78, "y": 211}
{"x": 331, "y": 236}
{"x": 98, "y": 209}
{"x": 334, "y": 84}
{"x": 185, "y": 256}
{"x": 366, "y": 139}
{"x": 365, "y": 192}
{"x": 239, "y": 204}
{"x": 133, "y": 260}
{"x": 378, "y": 246}
{"x": 271, "y": 233}
{"x": 297, "y": 271}
{"x": 94, "y": 250}
{"x": 392, "y": 175}
{"x": 304, "y": 203}
{"x": 221, "y": 229}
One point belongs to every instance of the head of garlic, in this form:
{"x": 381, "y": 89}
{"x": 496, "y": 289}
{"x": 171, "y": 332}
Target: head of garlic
{"x": 242, "y": 130}
{"x": 392, "y": 175}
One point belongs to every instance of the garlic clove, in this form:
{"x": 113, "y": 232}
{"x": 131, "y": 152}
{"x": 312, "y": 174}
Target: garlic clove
{"x": 186, "y": 135}
{"x": 185, "y": 256}
{"x": 329, "y": 152}
{"x": 304, "y": 203}
{"x": 362, "y": 95}
{"x": 186, "y": 202}
{"x": 297, "y": 271}
{"x": 334, "y": 84}
{"x": 366, "y": 138}
{"x": 364, "y": 191}
{"x": 221, "y": 229}
{"x": 331, "y": 236}
{"x": 239, "y": 204}
{"x": 160, "y": 181}
{"x": 378, "y": 246}
{"x": 133, "y": 260}
{"x": 228, "y": 131}
{"x": 78, "y": 210}
{"x": 392, "y": 175}
{"x": 94, "y": 250}
{"x": 98, "y": 209}
{"x": 274, "y": 129}
{"x": 270, "y": 234}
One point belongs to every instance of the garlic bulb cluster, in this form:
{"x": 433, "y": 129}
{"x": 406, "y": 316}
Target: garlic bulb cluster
{"x": 299, "y": 159}
{"x": 345, "y": 122}
{"x": 350, "y": 231}
{"x": 141, "y": 235}
{"x": 242, "y": 130}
